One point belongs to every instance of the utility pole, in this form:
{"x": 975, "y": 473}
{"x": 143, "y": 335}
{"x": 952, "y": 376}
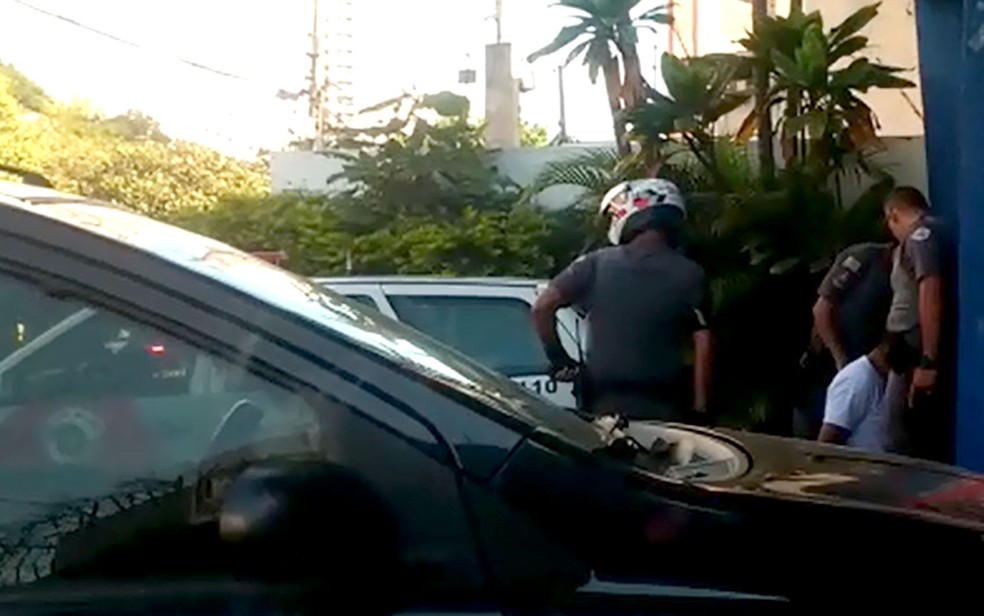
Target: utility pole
{"x": 316, "y": 88}
{"x": 562, "y": 137}
{"x": 498, "y": 21}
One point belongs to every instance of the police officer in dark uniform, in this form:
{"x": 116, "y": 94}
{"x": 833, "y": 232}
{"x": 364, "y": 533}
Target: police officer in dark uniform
{"x": 922, "y": 320}
{"x": 848, "y": 322}
{"x": 646, "y": 305}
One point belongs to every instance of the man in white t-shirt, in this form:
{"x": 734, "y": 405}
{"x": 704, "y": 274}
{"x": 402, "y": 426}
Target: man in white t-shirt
{"x": 856, "y": 413}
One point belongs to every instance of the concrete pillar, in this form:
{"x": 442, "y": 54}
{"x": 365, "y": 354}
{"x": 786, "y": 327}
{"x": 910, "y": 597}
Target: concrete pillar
{"x": 951, "y": 48}
{"x": 501, "y": 98}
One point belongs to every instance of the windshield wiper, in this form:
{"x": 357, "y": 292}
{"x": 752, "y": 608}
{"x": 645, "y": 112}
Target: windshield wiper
{"x": 625, "y": 447}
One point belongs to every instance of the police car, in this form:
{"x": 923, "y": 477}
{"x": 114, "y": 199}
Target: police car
{"x": 486, "y": 318}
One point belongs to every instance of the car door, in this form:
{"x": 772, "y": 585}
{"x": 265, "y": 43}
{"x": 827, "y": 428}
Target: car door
{"x": 110, "y": 462}
{"x": 490, "y": 323}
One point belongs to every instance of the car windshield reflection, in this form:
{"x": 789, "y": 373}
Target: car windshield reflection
{"x": 347, "y": 319}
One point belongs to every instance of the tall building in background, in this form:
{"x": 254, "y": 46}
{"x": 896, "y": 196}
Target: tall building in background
{"x": 332, "y": 73}
{"x": 338, "y": 49}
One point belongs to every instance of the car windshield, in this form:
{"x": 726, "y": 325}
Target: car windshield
{"x": 297, "y": 295}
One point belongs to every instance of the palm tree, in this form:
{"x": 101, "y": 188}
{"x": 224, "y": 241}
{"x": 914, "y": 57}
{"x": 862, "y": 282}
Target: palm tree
{"x": 760, "y": 12}
{"x": 606, "y": 34}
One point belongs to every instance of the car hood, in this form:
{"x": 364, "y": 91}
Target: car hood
{"x": 799, "y": 469}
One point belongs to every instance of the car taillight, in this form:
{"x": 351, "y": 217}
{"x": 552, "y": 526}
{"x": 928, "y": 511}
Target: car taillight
{"x": 156, "y": 349}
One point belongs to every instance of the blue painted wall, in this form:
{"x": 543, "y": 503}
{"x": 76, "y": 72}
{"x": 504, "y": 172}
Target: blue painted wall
{"x": 951, "y": 57}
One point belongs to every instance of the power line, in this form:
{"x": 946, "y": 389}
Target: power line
{"x": 126, "y": 42}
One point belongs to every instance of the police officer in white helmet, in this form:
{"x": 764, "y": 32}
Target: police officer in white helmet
{"x": 646, "y": 305}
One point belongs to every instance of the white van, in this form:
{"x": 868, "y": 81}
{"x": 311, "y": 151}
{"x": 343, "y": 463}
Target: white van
{"x": 486, "y": 318}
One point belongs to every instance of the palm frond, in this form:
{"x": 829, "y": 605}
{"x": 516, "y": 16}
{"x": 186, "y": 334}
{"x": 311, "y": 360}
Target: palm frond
{"x": 591, "y": 170}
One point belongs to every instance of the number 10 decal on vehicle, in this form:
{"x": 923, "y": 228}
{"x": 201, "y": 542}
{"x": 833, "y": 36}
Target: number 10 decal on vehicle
{"x": 549, "y": 388}
{"x": 543, "y": 385}
{"x": 485, "y": 318}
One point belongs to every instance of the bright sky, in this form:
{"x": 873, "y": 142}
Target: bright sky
{"x": 399, "y": 44}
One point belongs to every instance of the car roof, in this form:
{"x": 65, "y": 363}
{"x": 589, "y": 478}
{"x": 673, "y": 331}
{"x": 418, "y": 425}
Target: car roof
{"x": 431, "y": 280}
{"x": 24, "y": 195}
{"x": 17, "y": 193}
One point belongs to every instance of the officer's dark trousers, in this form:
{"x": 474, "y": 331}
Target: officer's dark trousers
{"x": 925, "y": 428}
{"x": 642, "y": 401}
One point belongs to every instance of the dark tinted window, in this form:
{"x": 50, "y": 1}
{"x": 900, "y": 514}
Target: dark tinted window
{"x": 100, "y": 413}
{"x": 495, "y": 331}
{"x": 97, "y": 354}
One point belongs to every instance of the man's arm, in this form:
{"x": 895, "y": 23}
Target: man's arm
{"x": 840, "y": 279}
{"x": 544, "y": 315}
{"x": 835, "y": 435}
{"x": 703, "y": 346}
{"x": 825, "y": 322}
{"x": 924, "y": 248}
{"x": 703, "y": 360}
{"x": 842, "y": 411}
{"x": 931, "y": 315}
{"x": 571, "y": 286}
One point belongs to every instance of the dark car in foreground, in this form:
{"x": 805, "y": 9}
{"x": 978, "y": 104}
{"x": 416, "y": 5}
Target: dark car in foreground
{"x": 185, "y": 428}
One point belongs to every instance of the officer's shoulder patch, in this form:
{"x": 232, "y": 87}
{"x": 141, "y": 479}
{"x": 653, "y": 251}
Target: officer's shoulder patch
{"x": 921, "y": 234}
{"x": 852, "y": 264}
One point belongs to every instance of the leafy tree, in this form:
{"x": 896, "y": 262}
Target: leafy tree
{"x": 476, "y": 243}
{"x": 418, "y": 195}
{"x": 304, "y": 226}
{"x": 592, "y": 171}
{"x": 136, "y": 125}
{"x": 533, "y": 136}
{"x": 606, "y": 35}
{"x": 126, "y": 160}
{"x": 826, "y": 123}
{"x": 419, "y": 167}
{"x": 25, "y": 92}
{"x": 700, "y": 92}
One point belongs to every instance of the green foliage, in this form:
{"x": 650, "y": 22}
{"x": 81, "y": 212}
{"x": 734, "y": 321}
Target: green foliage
{"x": 125, "y": 160}
{"x": 304, "y": 226}
{"x": 25, "y": 92}
{"x": 533, "y": 136}
{"x": 135, "y": 125}
{"x": 419, "y": 170}
{"x": 418, "y": 195}
{"x": 594, "y": 171}
{"x": 476, "y": 243}
{"x": 826, "y": 125}
{"x": 699, "y": 93}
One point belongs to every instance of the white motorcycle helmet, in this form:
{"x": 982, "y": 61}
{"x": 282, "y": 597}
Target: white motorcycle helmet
{"x": 628, "y": 199}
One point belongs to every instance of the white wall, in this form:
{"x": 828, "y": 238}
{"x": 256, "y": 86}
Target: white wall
{"x": 303, "y": 171}
{"x": 893, "y": 42}
{"x": 904, "y": 157}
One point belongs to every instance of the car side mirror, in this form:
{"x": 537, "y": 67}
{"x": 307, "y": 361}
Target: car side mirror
{"x": 308, "y": 521}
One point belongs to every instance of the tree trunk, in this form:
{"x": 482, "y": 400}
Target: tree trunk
{"x": 767, "y": 163}
{"x": 613, "y": 85}
{"x": 633, "y": 86}
{"x": 794, "y": 151}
